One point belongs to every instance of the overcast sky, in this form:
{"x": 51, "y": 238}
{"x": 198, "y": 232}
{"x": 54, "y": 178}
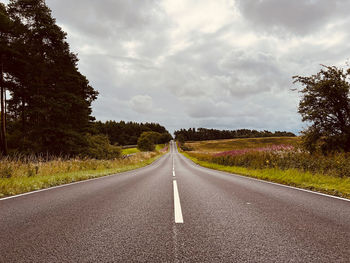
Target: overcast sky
{"x": 203, "y": 63}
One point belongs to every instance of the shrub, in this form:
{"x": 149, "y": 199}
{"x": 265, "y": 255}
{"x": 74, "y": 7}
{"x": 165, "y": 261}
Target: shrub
{"x": 185, "y": 147}
{"x": 145, "y": 144}
{"x": 148, "y": 140}
{"x": 100, "y": 148}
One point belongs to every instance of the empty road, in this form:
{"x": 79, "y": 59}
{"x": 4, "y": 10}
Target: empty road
{"x": 174, "y": 211}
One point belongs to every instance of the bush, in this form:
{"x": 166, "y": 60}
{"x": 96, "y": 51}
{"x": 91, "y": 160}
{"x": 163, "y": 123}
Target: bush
{"x": 148, "y": 140}
{"x": 186, "y": 148}
{"x": 99, "y": 147}
{"x": 145, "y": 144}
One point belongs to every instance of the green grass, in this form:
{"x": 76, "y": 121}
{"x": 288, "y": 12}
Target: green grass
{"x": 245, "y": 143}
{"x": 159, "y": 147}
{"x": 317, "y": 182}
{"x": 130, "y": 151}
{"x": 135, "y": 150}
{"x": 26, "y": 177}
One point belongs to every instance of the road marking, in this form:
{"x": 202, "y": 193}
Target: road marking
{"x": 177, "y": 205}
{"x": 173, "y": 173}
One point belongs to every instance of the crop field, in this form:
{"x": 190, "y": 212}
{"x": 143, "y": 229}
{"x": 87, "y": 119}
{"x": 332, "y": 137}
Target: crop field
{"x": 275, "y": 159}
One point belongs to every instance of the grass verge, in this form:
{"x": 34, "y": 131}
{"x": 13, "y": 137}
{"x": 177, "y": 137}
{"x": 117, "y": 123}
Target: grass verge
{"x": 316, "y": 182}
{"x": 60, "y": 174}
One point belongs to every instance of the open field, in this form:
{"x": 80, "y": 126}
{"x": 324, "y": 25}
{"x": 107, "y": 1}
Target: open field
{"x": 215, "y": 146}
{"x": 277, "y": 160}
{"x": 133, "y": 150}
{"x": 130, "y": 151}
{"x": 18, "y": 176}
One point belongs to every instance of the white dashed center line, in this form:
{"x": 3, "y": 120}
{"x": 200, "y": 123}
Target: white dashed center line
{"x": 177, "y": 205}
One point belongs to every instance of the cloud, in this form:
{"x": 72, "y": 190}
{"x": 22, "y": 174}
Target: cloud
{"x": 224, "y": 64}
{"x": 299, "y": 17}
{"x": 141, "y": 104}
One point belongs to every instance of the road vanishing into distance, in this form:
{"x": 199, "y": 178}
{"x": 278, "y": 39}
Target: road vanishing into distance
{"x": 174, "y": 211}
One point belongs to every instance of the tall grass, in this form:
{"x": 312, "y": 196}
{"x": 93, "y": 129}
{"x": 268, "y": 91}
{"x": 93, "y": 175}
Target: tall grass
{"x": 337, "y": 165}
{"x": 313, "y": 181}
{"x": 19, "y": 175}
{"x": 279, "y": 162}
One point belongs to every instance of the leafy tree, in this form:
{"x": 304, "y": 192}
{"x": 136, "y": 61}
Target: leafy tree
{"x": 326, "y": 106}
{"x": 100, "y": 148}
{"x": 145, "y": 144}
{"x": 165, "y": 137}
{"x": 181, "y": 138}
{"x": 148, "y": 140}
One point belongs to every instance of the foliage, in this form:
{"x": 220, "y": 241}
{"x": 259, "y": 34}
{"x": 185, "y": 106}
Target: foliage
{"x": 145, "y": 144}
{"x": 147, "y": 141}
{"x": 44, "y": 83}
{"x": 213, "y": 134}
{"x": 185, "y": 147}
{"x": 180, "y": 137}
{"x": 279, "y": 160}
{"x": 294, "y": 177}
{"x": 326, "y": 105}
{"x": 100, "y": 148}
{"x": 127, "y": 133}
{"x": 283, "y": 158}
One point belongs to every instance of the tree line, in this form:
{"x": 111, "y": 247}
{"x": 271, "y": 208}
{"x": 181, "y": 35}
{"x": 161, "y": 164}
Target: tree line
{"x": 193, "y": 134}
{"x": 128, "y": 133}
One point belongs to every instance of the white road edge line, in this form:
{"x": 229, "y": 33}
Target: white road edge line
{"x": 268, "y": 182}
{"x": 82, "y": 181}
{"x": 177, "y": 205}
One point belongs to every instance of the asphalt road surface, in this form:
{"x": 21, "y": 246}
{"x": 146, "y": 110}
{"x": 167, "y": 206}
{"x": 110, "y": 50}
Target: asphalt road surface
{"x": 174, "y": 211}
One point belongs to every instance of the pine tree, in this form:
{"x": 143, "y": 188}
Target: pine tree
{"x": 49, "y": 95}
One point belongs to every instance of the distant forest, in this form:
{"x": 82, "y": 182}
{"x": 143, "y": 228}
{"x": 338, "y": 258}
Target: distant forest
{"x": 45, "y": 102}
{"x": 200, "y": 134}
{"x": 127, "y": 133}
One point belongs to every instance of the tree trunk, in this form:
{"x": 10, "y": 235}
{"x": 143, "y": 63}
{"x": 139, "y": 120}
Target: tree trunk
{"x": 3, "y": 122}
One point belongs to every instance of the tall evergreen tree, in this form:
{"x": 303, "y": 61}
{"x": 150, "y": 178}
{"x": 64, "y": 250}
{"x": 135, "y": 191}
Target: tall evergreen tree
{"x": 50, "y": 99}
{"x": 5, "y": 51}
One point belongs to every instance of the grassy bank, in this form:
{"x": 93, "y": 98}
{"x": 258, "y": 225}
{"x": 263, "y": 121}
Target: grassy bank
{"x": 20, "y": 176}
{"x": 278, "y": 159}
{"x": 317, "y": 182}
